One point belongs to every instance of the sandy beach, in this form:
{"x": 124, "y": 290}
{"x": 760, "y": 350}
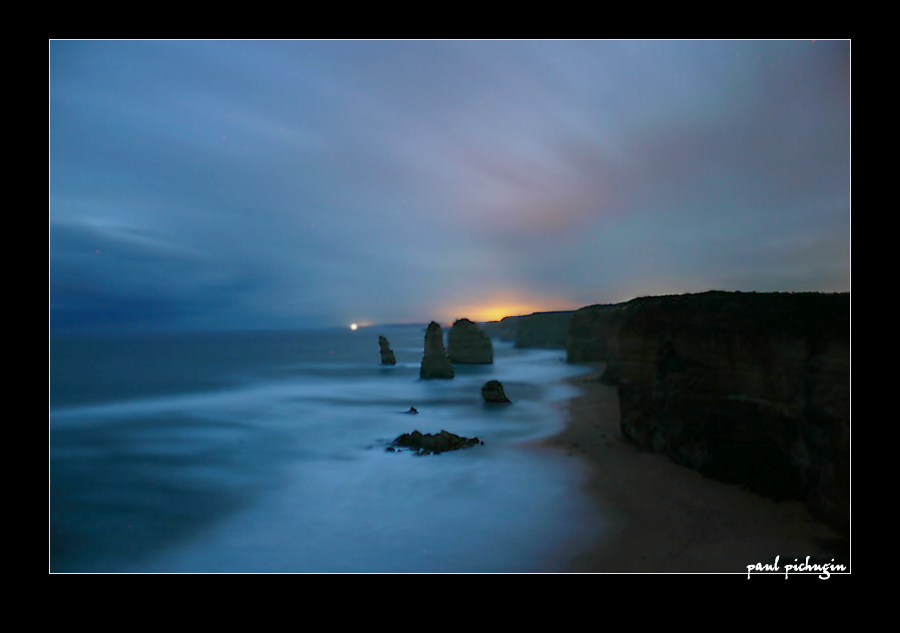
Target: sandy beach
{"x": 666, "y": 518}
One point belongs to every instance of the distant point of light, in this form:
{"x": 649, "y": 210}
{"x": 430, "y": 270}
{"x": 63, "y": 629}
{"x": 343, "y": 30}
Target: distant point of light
{"x": 353, "y": 326}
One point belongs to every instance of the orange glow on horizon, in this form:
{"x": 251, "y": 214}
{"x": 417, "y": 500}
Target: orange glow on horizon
{"x": 496, "y": 312}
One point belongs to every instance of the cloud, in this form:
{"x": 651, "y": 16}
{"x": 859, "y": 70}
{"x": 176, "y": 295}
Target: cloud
{"x": 301, "y": 182}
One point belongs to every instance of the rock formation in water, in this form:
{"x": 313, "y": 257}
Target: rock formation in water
{"x": 387, "y": 356}
{"x": 467, "y": 344}
{"x": 428, "y": 444}
{"x": 750, "y": 388}
{"x": 435, "y": 363}
{"x": 492, "y": 391}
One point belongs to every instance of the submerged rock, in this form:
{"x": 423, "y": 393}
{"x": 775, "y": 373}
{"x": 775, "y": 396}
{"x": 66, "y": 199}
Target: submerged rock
{"x": 493, "y": 392}
{"x": 466, "y": 343}
{"x": 435, "y": 363}
{"x": 427, "y": 444}
{"x": 387, "y": 356}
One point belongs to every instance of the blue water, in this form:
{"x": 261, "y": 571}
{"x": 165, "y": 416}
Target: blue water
{"x": 265, "y": 452}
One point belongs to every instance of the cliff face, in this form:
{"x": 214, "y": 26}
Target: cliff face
{"x": 505, "y": 329}
{"x": 543, "y": 330}
{"x": 546, "y": 330}
{"x": 594, "y": 331}
{"x": 752, "y": 388}
{"x": 467, "y": 344}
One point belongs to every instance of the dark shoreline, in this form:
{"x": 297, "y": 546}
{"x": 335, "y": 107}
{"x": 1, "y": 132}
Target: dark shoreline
{"x": 666, "y": 517}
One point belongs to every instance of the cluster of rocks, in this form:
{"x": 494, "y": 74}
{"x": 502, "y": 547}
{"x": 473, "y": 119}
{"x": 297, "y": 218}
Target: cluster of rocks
{"x": 466, "y": 344}
{"x": 432, "y": 444}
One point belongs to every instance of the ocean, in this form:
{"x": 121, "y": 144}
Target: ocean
{"x": 265, "y": 452}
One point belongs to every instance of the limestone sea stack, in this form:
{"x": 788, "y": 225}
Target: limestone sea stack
{"x": 467, "y": 344}
{"x": 493, "y": 392}
{"x": 387, "y": 355}
{"x": 435, "y": 363}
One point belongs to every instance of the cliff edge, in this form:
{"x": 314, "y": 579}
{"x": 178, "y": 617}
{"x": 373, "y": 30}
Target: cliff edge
{"x": 750, "y": 388}
{"x": 547, "y": 330}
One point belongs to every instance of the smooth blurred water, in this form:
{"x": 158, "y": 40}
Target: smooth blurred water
{"x": 265, "y": 452}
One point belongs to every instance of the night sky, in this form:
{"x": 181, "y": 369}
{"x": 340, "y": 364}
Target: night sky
{"x": 292, "y": 184}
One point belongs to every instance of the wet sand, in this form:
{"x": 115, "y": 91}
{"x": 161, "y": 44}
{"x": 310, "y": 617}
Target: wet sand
{"x": 668, "y": 518}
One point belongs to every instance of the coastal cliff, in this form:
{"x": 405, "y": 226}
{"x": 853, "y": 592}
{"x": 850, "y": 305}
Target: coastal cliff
{"x": 541, "y": 330}
{"x": 548, "y": 330}
{"x": 594, "y": 331}
{"x": 504, "y": 329}
{"x": 750, "y": 388}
